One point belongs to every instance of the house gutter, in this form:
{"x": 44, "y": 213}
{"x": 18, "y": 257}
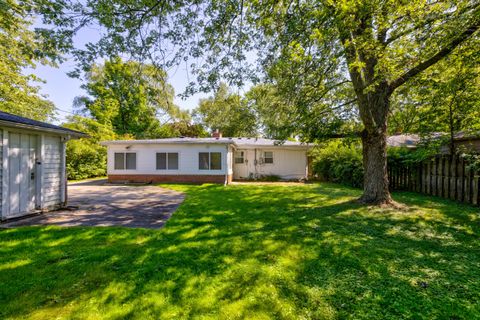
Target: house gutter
{"x": 67, "y": 132}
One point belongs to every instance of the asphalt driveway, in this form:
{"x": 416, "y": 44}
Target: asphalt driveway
{"x": 96, "y": 203}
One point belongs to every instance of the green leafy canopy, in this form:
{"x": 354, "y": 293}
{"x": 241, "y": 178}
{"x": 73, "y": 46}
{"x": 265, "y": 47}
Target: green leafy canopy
{"x": 326, "y": 57}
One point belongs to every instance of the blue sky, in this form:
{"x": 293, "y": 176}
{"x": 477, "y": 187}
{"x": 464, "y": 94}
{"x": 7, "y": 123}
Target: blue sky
{"x": 61, "y": 89}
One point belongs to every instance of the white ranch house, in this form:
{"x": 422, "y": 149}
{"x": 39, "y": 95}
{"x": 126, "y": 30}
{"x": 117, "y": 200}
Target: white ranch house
{"x": 32, "y": 165}
{"x": 217, "y": 160}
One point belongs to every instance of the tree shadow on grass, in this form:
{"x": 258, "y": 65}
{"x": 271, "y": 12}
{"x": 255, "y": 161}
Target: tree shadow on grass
{"x": 253, "y": 251}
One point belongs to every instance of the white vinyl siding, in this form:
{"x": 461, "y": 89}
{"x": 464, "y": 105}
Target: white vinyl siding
{"x": 52, "y": 167}
{"x": 187, "y": 158}
{"x": 287, "y": 163}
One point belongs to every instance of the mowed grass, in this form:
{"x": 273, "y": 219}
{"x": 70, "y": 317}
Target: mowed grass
{"x": 254, "y": 252}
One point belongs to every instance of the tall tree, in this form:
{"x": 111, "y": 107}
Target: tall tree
{"x": 22, "y": 47}
{"x": 130, "y": 97}
{"x": 272, "y": 111}
{"x": 227, "y": 112}
{"x": 363, "y": 49}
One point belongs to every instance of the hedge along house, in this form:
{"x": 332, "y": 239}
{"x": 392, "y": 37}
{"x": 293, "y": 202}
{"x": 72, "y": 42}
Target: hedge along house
{"x": 198, "y": 160}
{"x": 32, "y": 165}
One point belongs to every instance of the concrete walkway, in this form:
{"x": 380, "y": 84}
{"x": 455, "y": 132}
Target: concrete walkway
{"x": 96, "y": 203}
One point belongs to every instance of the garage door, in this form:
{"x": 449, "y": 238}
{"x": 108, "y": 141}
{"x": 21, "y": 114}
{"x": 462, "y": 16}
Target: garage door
{"x": 21, "y": 173}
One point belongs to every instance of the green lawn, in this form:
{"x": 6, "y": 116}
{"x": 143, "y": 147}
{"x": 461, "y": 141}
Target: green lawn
{"x": 256, "y": 252}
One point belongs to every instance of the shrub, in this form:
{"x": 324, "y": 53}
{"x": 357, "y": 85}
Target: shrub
{"x": 86, "y": 158}
{"x": 269, "y": 178}
{"x": 338, "y": 162}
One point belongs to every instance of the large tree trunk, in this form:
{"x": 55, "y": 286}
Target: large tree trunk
{"x": 375, "y": 182}
{"x": 374, "y": 108}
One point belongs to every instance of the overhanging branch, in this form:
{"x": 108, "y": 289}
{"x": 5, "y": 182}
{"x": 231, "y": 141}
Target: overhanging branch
{"x": 435, "y": 58}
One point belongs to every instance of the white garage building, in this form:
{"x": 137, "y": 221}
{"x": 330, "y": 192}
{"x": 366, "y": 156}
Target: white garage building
{"x": 32, "y": 165}
{"x": 216, "y": 159}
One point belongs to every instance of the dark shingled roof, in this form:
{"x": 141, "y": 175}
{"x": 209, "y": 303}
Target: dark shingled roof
{"x": 8, "y": 117}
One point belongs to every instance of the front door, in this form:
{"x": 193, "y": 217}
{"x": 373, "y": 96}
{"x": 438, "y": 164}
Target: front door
{"x": 21, "y": 173}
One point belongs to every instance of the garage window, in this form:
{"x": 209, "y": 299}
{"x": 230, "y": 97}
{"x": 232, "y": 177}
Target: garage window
{"x": 125, "y": 161}
{"x": 167, "y": 161}
{"x": 210, "y": 161}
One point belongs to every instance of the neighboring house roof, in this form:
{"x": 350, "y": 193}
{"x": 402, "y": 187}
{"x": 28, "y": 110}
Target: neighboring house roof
{"x": 12, "y": 120}
{"x": 239, "y": 142}
{"x": 465, "y": 136}
{"x": 403, "y": 140}
{"x": 171, "y": 141}
{"x": 411, "y": 140}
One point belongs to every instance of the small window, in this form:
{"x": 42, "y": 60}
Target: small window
{"x": 210, "y": 160}
{"x": 203, "y": 160}
{"x": 215, "y": 161}
{"x": 167, "y": 161}
{"x": 131, "y": 161}
{"x": 239, "y": 157}
{"x": 268, "y": 157}
{"x": 119, "y": 161}
{"x": 161, "y": 161}
{"x": 172, "y": 163}
{"x": 125, "y": 161}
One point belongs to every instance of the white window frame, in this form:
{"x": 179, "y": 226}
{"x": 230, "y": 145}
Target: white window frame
{"x": 264, "y": 157}
{"x": 166, "y": 161}
{"x": 124, "y": 160}
{"x": 210, "y": 161}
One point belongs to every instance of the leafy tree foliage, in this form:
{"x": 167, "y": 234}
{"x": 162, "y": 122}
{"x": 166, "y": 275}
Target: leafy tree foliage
{"x": 130, "y": 97}
{"x": 185, "y": 129}
{"x": 227, "y": 112}
{"x": 272, "y": 111}
{"x": 21, "y": 48}
{"x": 445, "y": 98}
{"x": 324, "y": 55}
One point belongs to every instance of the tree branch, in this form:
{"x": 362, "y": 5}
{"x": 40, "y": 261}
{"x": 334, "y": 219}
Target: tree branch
{"x": 353, "y": 134}
{"x": 435, "y": 58}
{"x": 428, "y": 21}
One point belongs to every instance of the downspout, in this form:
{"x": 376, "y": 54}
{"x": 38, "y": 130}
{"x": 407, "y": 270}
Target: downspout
{"x": 255, "y": 164}
{"x": 226, "y": 166}
{"x": 307, "y": 171}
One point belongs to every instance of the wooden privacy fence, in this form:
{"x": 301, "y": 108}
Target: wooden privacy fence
{"x": 443, "y": 176}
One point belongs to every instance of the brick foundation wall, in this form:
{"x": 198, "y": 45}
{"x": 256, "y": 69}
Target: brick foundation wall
{"x": 154, "y": 178}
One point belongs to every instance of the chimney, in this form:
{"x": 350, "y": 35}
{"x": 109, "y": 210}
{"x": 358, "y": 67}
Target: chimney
{"x": 217, "y": 134}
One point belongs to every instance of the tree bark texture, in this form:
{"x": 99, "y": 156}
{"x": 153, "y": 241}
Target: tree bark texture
{"x": 375, "y": 182}
{"x": 374, "y": 108}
